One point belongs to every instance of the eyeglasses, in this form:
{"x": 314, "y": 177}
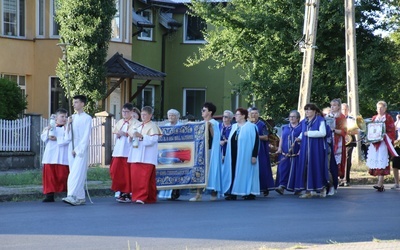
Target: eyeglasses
{"x": 224, "y": 116}
{"x": 126, "y": 111}
{"x": 204, "y": 110}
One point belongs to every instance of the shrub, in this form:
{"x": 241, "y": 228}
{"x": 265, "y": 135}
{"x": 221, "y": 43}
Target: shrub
{"x": 12, "y": 102}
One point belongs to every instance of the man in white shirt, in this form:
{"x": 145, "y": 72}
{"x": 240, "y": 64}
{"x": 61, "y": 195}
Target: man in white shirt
{"x": 78, "y": 153}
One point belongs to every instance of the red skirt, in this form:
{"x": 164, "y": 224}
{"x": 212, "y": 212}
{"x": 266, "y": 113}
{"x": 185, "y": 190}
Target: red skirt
{"x": 143, "y": 182}
{"x": 120, "y": 174}
{"x": 55, "y": 178}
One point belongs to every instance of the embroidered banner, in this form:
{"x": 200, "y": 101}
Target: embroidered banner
{"x": 182, "y": 157}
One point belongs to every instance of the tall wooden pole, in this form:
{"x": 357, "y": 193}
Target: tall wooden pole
{"x": 351, "y": 65}
{"x": 307, "y": 46}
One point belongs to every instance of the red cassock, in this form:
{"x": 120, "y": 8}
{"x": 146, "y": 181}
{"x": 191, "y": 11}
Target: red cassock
{"x": 55, "y": 178}
{"x": 120, "y": 174}
{"x": 143, "y": 182}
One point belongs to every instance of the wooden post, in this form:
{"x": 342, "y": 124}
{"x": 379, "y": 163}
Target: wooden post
{"x": 307, "y": 46}
{"x": 351, "y": 67}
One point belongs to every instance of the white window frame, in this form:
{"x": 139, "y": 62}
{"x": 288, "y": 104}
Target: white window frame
{"x": 152, "y": 89}
{"x": 50, "y": 93}
{"x": 185, "y": 99}
{"x": 116, "y": 22}
{"x": 149, "y": 30}
{"x": 235, "y": 99}
{"x": 40, "y": 22}
{"x": 19, "y": 29}
{"x": 53, "y": 23}
{"x": 185, "y": 25}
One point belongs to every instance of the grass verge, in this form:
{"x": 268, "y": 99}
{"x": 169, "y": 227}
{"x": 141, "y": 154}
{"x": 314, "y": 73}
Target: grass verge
{"x": 34, "y": 177}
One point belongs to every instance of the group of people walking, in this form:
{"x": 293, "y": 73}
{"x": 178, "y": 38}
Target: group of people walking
{"x": 314, "y": 156}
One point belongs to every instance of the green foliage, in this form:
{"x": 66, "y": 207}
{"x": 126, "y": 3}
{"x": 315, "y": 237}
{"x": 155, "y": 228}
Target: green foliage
{"x": 86, "y": 26}
{"x": 30, "y": 177}
{"x": 12, "y": 102}
{"x": 258, "y": 37}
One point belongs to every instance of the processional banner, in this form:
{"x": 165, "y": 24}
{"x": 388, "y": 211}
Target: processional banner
{"x": 182, "y": 154}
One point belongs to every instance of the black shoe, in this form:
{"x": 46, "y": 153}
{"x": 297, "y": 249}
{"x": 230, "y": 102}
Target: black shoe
{"x": 381, "y": 189}
{"x": 49, "y": 198}
{"x": 280, "y": 190}
{"x": 175, "y": 194}
{"x": 230, "y": 197}
{"x": 266, "y": 193}
{"x": 249, "y": 197}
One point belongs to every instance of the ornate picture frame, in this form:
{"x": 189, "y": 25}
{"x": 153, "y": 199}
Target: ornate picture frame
{"x": 375, "y": 131}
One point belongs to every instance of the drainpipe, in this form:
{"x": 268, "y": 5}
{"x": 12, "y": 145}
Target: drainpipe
{"x": 164, "y": 38}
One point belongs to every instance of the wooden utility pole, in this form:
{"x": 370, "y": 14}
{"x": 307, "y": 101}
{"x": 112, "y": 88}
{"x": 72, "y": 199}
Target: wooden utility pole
{"x": 351, "y": 65}
{"x": 307, "y": 46}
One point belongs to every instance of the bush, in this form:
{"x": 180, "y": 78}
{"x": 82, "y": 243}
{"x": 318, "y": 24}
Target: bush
{"x": 12, "y": 102}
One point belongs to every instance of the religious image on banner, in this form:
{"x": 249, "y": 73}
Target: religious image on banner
{"x": 182, "y": 157}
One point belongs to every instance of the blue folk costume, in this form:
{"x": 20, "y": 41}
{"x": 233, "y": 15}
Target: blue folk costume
{"x": 266, "y": 178}
{"x": 215, "y": 160}
{"x": 313, "y": 162}
{"x": 224, "y": 136}
{"x": 245, "y": 179}
{"x": 288, "y": 161}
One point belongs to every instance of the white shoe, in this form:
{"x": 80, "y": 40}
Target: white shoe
{"x": 139, "y": 202}
{"x": 196, "y": 198}
{"x": 80, "y": 201}
{"x": 396, "y": 186}
{"x": 213, "y": 198}
{"x": 323, "y": 192}
{"x": 71, "y": 200}
{"x": 332, "y": 191}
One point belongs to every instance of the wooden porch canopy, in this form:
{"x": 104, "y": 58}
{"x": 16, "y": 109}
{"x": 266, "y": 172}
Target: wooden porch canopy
{"x": 119, "y": 67}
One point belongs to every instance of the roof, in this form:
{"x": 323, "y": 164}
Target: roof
{"x": 118, "y": 66}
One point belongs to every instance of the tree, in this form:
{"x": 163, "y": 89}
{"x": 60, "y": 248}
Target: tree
{"x": 12, "y": 101}
{"x": 258, "y": 37}
{"x": 86, "y": 26}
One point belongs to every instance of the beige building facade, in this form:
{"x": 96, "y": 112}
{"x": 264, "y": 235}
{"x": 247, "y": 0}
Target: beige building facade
{"x": 29, "y": 52}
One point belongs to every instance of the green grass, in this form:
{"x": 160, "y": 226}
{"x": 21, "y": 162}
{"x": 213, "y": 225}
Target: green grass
{"x": 34, "y": 177}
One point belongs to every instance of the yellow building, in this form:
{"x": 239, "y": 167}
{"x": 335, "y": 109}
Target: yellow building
{"x": 29, "y": 52}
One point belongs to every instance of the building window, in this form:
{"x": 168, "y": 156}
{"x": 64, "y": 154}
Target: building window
{"x": 193, "y": 100}
{"x": 147, "y": 33}
{"x": 234, "y": 100}
{"x": 146, "y": 98}
{"x": 116, "y": 22}
{"x": 40, "y": 13}
{"x": 20, "y": 80}
{"x": 13, "y": 17}
{"x": 54, "y": 26}
{"x": 57, "y": 96}
{"x": 194, "y": 27}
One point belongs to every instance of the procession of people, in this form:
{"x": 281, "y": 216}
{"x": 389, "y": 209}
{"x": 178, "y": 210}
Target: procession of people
{"x": 314, "y": 153}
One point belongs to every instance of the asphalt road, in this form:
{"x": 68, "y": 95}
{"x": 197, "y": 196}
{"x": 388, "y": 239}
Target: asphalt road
{"x": 355, "y": 214}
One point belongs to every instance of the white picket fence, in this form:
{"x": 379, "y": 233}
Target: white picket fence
{"x": 15, "y": 134}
